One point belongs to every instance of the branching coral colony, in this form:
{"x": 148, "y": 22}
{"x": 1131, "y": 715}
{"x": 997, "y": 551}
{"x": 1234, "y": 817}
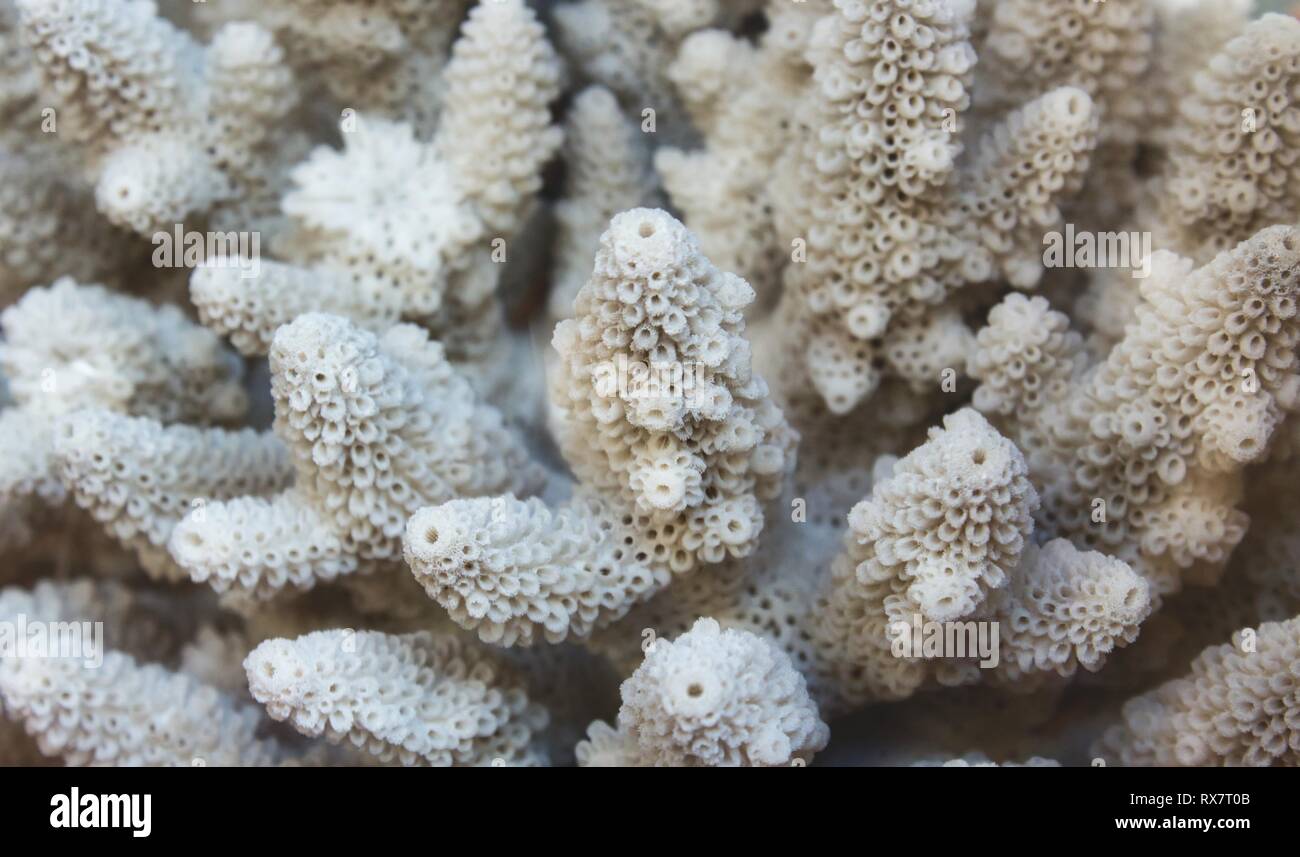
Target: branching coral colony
{"x": 631, "y": 383}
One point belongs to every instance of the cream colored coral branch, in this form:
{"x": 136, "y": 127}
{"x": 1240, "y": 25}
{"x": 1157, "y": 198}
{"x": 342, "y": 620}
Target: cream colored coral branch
{"x": 68, "y": 346}
{"x": 89, "y": 703}
{"x": 1237, "y": 706}
{"x": 138, "y": 478}
{"x": 518, "y": 572}
{"x": 607, "y": 159}
{"x": 171, "y": 126}
{"x": 655, "y": 403}
{"x": 673, "y": 440}
{"x": 398, "y": 226}
{"x": 376, "y": 427}
{"x": 890, "y": 226}
{"x": 710, "y": 698}
{"x": 419, "y": 699}
{"x": 1141, "y": 456}
{"x": 382, "y": 57}
{"x": 725, "y": 190}
{"x": 1234, "y": 148}
{"x": 125, "y": 713}
{"x": 941, "y": 543}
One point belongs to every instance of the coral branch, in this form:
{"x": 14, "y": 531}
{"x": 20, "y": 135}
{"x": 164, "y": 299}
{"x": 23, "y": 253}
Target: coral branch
{"x": 711, "y": 698}
{"x": 1237, "y": 706}
{"x": 377, "y": 427}
{"x": 1142, "y": 455}
{"x": 138, "y": 478}
{"x": 417, "y": 698}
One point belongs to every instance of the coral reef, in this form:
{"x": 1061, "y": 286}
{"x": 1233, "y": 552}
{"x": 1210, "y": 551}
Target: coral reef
{"x": 617, "y": 383}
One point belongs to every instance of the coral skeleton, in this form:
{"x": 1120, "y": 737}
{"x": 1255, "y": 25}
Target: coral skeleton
{"x": 399, "y": 224}
{"x": 170, "y": 127}
{"x": 415, "y": 698}
{"x": 1237, "y": 706}
{"x": 649, "y": 383}
{"x": 672, "y": 472}
{"x": 376, "y": 427}
{"x": 1141, "y": 455}
{"x": 711, "y": 698}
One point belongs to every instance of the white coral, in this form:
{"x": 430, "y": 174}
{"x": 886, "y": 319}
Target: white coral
{"x": 1237, "y": 706}
{"x": 377, "y": 427}
{"x": 891, "y": 226}
{"x": 516, "y": 571}
{"x": 655, "y": 404}
{"x": 743, "y": 478}
{"x": 609, "y": 171}
{"x": 417, "y": 698}
{"x": 715, "y": 698}
{"x": 1141, "y": 456}
{"x": 398, "y": 225}
{"x": 172, "y": 126}
{"x": 138, "y": 478}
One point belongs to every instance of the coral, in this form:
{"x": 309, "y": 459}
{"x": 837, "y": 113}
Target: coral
{"x": 384, "y": 57}
{"x": 891, "y": 226}
{"x": 1224, "y": 126}
{"x": 1234, "y": 155}
{"x": 1033, "y": 46}
{"x": 673, "y": 441}
{"x": 1104, "y": 49}
{"x": 107, "y": 707}
{"x": 112, "y": 352}
{"x": 1141, "y": 455}
{"x": 514, "y": 570}
{"x": 397, "y": 225}
{"x": 173, "y": 128}
{"x": 1187, "y": 32}
{"x": 942, "y": 542}
{"x": 416, "y": 698}
{"x": 712, "y": 698}
{"x": 723, "y": 189}
{"x": 1237, "y": 706}
{"x": 626, "y": 46}
{"x": 609, "y": 171}
{"x": 68, "y": 346}
{"x": 376, "y": 427}
{"x": 1065, "y": 609}
{"x": 138, "y": 478}
{"x": 649, "y": 382}
{"x": 48, "y": 226}
{"x": 129, "y": 714}
{"x": 133, "y": 621}
{"x": 655, "y": 404}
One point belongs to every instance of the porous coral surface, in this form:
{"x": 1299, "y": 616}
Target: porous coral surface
{"x": 643, "y": 383}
